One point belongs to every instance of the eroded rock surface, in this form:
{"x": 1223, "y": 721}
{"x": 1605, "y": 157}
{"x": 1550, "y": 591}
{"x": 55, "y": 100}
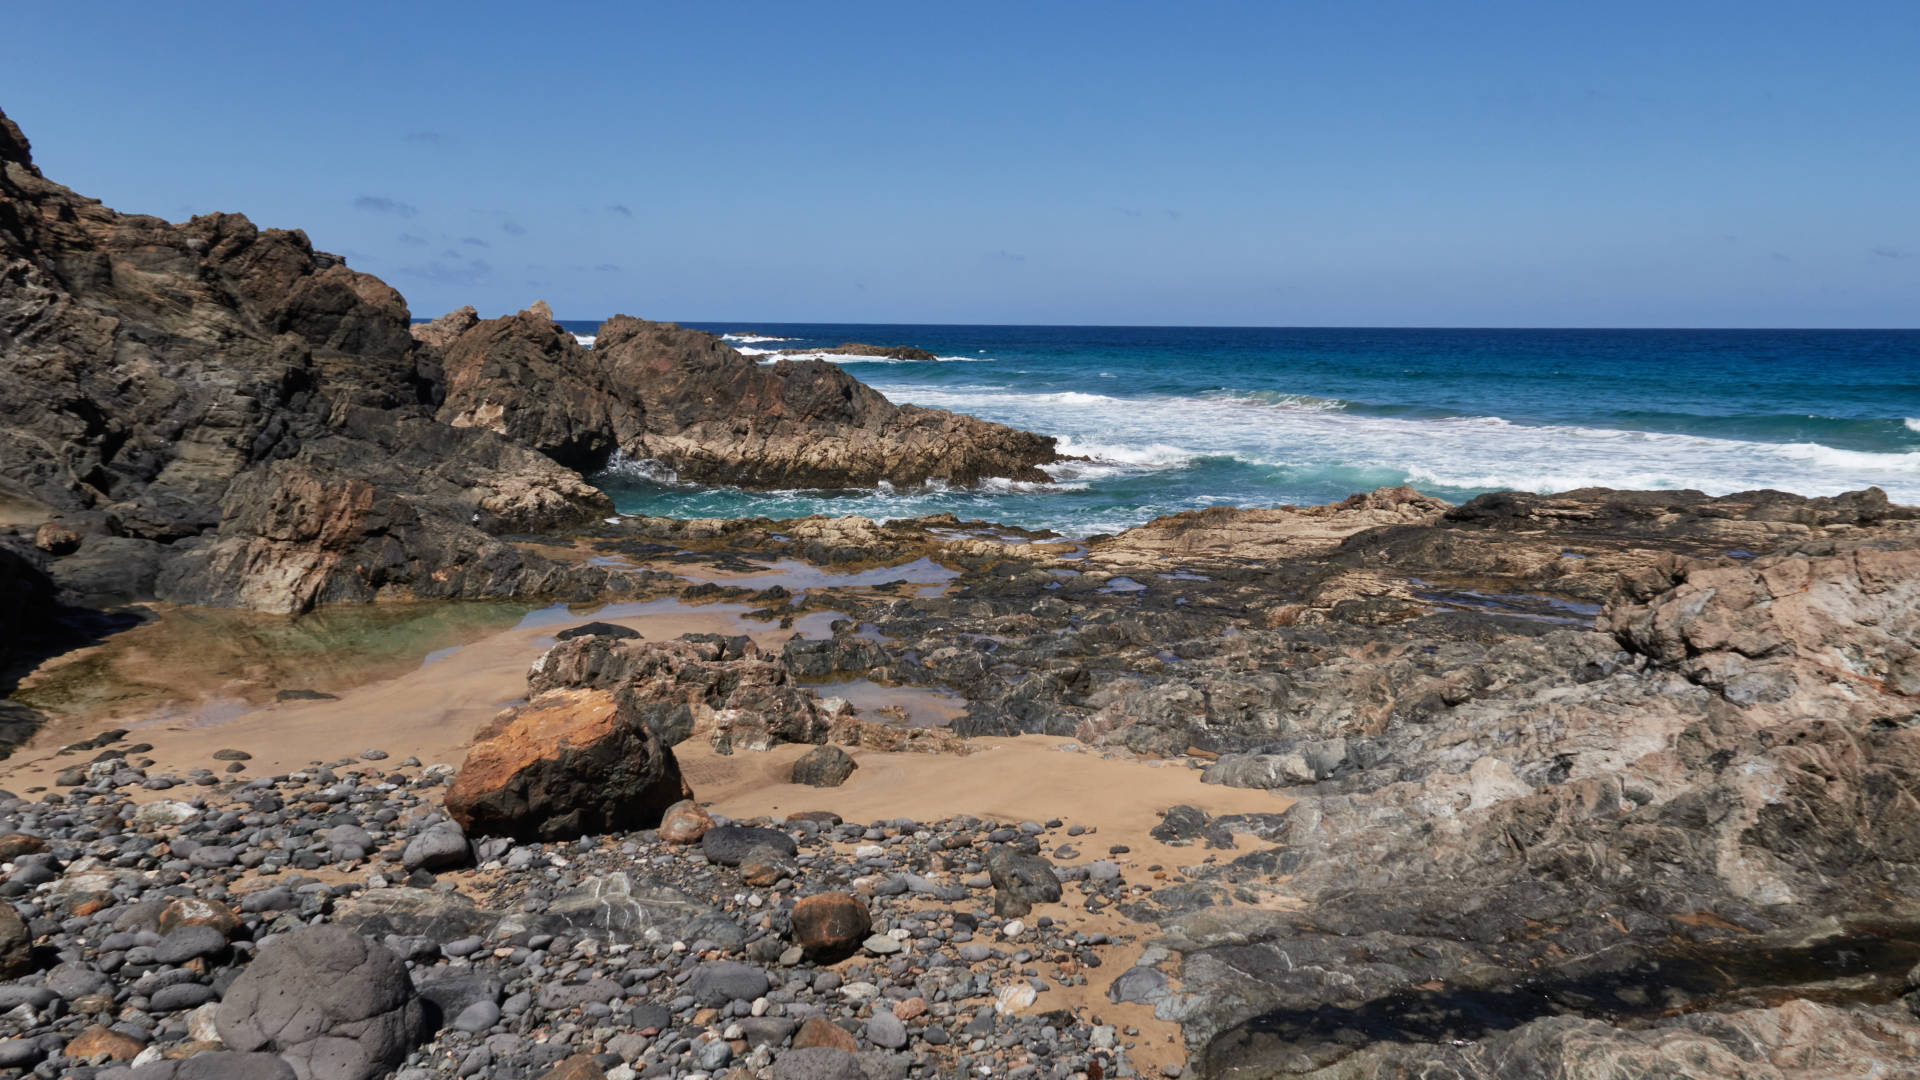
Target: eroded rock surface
{"x": 210, "y": 412}
{"x": 687, "y": 401}
{"x": 1560, "y": 765}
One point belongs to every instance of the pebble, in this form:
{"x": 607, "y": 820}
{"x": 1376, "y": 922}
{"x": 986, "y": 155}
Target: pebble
{"x": 724, "y": 991}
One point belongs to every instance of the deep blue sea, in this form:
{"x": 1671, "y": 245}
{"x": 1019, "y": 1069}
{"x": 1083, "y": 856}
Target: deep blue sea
{"x": 1181, "y": 417}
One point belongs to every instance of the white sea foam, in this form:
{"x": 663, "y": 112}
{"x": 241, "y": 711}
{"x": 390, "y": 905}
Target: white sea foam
{"x": 751, "y": 338}
{"x": 1913, "y": 423}
{"x": 1149, "y": 456}
{"x": 1274, "y": 399}
{"x": 586, "y": 340}
{"x": 1003, "y": 486}
{"x": 776, "y": 355}
{"x": 1301, "y": 437}
{"x": 651, "y": 470}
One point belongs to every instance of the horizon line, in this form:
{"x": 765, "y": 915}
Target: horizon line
{"x": 749, "y": 323}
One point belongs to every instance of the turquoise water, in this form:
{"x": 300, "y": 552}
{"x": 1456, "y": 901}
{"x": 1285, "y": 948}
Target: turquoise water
{"x": 1177, "y": 418}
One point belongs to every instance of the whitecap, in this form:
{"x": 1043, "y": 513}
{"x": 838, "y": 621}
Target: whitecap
{"x": 1309, "y": 439}
{"x": 647, "y": 470}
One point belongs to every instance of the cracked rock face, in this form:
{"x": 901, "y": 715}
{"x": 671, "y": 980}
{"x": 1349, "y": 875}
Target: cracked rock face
{"x": 1741, "y": 785}
{"x": 335, "y": 1005}
{"x": 221, "y": 414}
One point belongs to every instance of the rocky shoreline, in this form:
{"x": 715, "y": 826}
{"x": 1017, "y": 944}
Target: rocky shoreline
{"x": 1590, "y": 784}
{"x": 1614, "y": 780}
{"x": 213, "y": 413}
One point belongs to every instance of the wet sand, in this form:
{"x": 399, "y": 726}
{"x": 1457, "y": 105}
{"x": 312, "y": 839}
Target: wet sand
{"x": 1023, "y": 778}
{"x": 429, "y": 709}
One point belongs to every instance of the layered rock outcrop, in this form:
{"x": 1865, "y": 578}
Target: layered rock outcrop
{"x": 686, "y": 400}
{"x": 218, "y": 413}
{"x": 1596, "y": 779}
{"x": 246, "y": 417}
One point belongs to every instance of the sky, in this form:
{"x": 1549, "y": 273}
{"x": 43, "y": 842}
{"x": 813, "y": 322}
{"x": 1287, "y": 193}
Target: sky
{"x": 1263, "y": 164}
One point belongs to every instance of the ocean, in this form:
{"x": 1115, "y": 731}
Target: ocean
{"x": 1174, "y": 418}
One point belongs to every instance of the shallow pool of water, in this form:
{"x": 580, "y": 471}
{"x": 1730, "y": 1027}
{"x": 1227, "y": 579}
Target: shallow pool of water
{"x": 797, "y": 575}
{"x": 911, "y": 706}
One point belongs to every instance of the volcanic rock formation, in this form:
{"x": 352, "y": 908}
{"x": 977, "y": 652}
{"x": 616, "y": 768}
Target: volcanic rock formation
{"x": 218, "y": 413}
{"x": 684, "y": 398}
{"x": 240, "y": 417}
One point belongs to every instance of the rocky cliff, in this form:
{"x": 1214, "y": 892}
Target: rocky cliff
{"x": 683, "y": 398}
{"x": 219, "y": 413}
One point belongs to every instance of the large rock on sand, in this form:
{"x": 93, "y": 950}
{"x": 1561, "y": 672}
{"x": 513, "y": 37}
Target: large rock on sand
{"x": 571, "y": 761}
{"x": 335, "y": 1005}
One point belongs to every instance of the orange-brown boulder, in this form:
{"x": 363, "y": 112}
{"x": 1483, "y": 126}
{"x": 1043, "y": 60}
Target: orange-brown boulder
{"x": 14, "y": 845}
{"x": 575, "y": 1067}
{"x": 195, "y": 911}
{"x": 98, "y": 1040}
{"x": 567, "y": 763}
{"x": 16, "y": 944}
{"x": 820, "y": 1031}
{"x": 831, "y": 924}
{"x": 685, "y": 823}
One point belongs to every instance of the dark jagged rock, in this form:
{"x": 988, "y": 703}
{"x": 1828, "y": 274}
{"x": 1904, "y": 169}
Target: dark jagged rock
{"x": 855, "y": 348}
{"x": 753, "y": 700}
{"x": 598, "y": 629}
{"x": 218, "y": 413}
{"x": 684, "y": 398}
{"x": 254, "y": 411}
{"x": 1020, "y": 881}
{"x": 526, "y": 378}
{"x": 826, "y": 766}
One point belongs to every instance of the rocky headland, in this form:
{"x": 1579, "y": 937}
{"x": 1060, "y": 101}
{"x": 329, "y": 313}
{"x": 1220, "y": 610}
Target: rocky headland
{"x": 209, "y": 412}
{"x": 1596, "y": 784}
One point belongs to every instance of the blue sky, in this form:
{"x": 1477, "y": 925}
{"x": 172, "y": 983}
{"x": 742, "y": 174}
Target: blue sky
{"x": 1292, "y": 164}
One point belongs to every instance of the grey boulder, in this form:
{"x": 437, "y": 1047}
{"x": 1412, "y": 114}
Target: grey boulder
{"x": 724, "y": 981}
{"x": 818, "y": 1063}
{"x": 729, "y": 844}
{"x": 218, "y": 1066}
{"x": 335, "y": 1005}
{"x": 440, "y": 846}
{"x": 1020, "y": 881}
